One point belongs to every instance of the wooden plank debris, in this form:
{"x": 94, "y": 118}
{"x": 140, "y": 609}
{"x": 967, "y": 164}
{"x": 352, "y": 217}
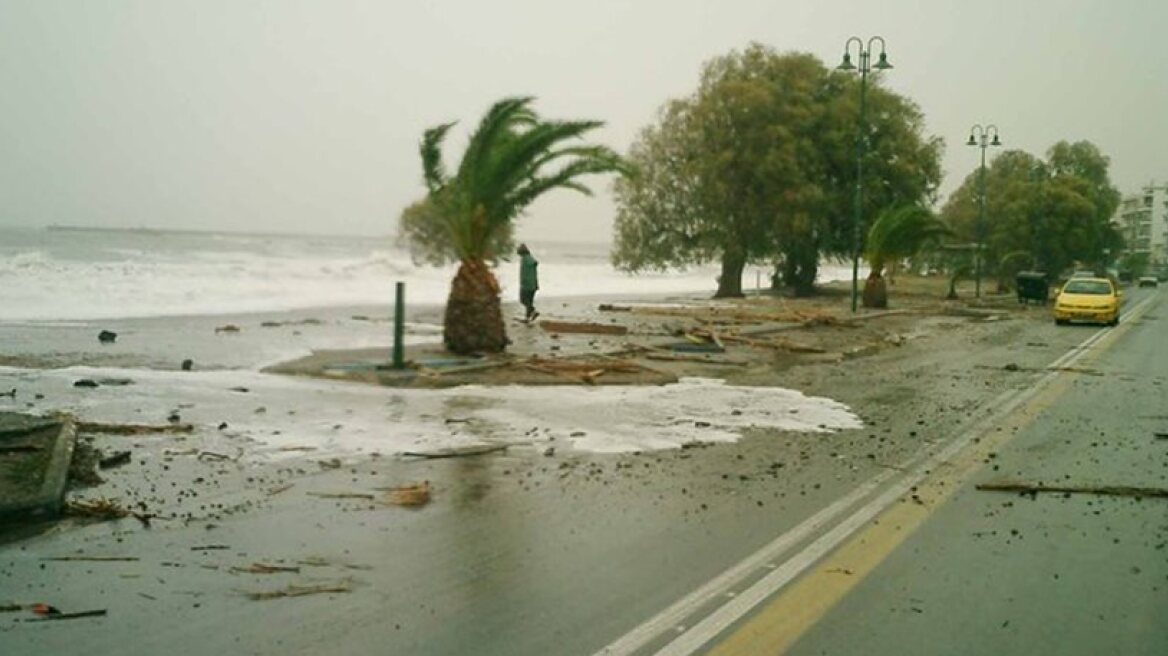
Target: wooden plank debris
{"x": 584, "y": 327}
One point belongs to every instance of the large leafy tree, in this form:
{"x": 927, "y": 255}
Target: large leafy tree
{"x": 513, "y": 157}
{"x": 758, "y": 165}
{"x": 1055, "y": 212}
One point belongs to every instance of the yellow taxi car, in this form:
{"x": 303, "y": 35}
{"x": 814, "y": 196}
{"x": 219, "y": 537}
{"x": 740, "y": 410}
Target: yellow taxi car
{"x": 1088, "y": 299}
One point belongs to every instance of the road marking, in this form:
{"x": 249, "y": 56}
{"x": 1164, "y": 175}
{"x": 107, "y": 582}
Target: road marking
{"x": 702, "y": 632}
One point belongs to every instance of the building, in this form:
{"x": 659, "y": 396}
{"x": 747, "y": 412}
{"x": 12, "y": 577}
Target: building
{"x": 1142, "y": 218}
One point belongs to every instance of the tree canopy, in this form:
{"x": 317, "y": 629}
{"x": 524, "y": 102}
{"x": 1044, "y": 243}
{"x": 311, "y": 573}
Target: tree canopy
{"x": 758, "y": 165}
{"x": 1057, "y": 211}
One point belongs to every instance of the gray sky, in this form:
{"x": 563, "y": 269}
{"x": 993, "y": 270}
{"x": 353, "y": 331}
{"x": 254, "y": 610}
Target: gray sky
{"x": 305, "y": 116}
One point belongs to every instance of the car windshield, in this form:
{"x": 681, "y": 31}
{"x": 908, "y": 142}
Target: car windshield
{"x": 1087, "y": 287}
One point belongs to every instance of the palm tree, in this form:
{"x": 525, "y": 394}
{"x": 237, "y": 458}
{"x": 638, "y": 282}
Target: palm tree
{"x": 898, "y": 233}
{"x": 512, "y": 158}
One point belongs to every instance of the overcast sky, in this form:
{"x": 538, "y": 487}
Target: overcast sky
{"x": 305, "y": 116}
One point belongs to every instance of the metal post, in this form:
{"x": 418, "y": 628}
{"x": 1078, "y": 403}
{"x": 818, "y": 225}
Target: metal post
{"x": 980, "y": 136}
{"x": 980, "y": 222}
{"x": 859, "y": 202}
{"x": 399, "y": 322}
{"x": 865, "y": 66}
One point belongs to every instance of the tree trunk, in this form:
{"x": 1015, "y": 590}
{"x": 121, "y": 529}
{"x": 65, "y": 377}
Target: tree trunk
{"x": 474, "y": 316}
{"x": 800, "y": 266}
{"x": 730, "y": 282}
{"x": 875, "y": 292}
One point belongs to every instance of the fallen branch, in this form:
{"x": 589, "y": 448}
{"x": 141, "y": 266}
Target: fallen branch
{"x": 1104, "y": 490}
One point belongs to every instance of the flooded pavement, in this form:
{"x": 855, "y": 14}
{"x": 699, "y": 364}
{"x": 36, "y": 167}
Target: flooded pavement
{"x": 521, "y": 551}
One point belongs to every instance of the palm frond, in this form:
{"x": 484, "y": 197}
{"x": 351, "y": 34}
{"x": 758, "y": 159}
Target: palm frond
{"x": 433, "y": 171}
{"x": 902, "y": 232}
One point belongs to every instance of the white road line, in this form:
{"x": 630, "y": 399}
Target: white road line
{"x": 737, "y": 606}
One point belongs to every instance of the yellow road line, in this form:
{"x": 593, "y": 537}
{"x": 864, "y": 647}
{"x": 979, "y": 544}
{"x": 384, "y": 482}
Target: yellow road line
{"x": 775, "y": 627}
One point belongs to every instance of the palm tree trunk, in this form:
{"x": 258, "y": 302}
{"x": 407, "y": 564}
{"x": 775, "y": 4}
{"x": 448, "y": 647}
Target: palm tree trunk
{"x": 474, "y": 316}
{"x": 875, "y": 293}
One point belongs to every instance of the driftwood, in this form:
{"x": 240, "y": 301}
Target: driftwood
{"x": 132, "y": 429}
{"x": 301, "y": 590}
{"x": 69, "y": 616}
{"x": 665, "y": 357}
{"x": 415, "y": 494}
{"x": 583, "y": 327}
{"x": 457, "y": 452}
{"x": 1104, "y": 490}
{"x": 95, "y": 559}
{"x": 263, "y": 568}
{"x": 340, "y": 495}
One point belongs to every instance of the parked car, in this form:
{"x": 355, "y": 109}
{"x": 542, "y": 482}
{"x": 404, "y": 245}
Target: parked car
{"x": 1088, "y": 299}
{"x": 1149, "y": 281}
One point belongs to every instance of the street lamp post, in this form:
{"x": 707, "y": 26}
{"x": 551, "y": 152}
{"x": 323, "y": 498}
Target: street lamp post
{"x": 865, "y": 66}
{"x": 982, "y": 140}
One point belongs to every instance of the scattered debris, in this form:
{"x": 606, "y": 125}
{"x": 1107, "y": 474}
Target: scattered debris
{"x": 297, "y": 448}
{"x": 107, "y": 337}
{"x": 301, "y": 590}
{"x": 1161, "y": 436}
{"x": 280, "y": 488}
{"x": 117, "y": 459}
{"x": 85, "y": 382}
{"x": 331, "y": 463}
{"x": 211, "y": 455}
{"x": 11, "y": 394}
{"x": 229, "y": 328}
{"x": 187, "y": 364}
{"x": 1106, "y": 490}
{"x": 414, "y": 494}
{"x": 211, "y": 547}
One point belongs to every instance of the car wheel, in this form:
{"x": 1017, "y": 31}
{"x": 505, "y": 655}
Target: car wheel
{"x": 1115, "y": 321}
{"x": 1061, "y": 322}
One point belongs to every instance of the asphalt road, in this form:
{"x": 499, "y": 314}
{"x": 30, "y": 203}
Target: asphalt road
{"x": 967, "y": 571}
{"x": 685, "y": 551}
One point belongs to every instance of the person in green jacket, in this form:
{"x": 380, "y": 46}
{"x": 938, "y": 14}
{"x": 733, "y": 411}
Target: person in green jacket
{"x": 528, "y": 281}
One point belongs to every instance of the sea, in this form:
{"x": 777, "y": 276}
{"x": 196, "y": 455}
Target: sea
{"x": 73, "y": 273}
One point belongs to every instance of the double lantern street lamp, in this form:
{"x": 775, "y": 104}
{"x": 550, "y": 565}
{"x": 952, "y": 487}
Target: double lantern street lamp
{"x": 981, "y": 137}
{"x": 865, "y": 66}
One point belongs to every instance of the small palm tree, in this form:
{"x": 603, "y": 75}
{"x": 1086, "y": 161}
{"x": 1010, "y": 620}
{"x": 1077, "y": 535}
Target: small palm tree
{"x": 512, "y": 158}
{"x": 898, "y": 233}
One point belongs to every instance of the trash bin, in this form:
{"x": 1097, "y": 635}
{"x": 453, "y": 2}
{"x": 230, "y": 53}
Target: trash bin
{"x": 1032, "y": 286}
